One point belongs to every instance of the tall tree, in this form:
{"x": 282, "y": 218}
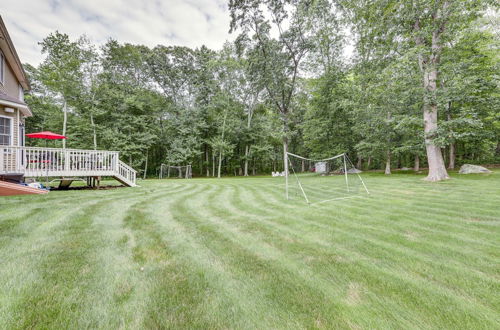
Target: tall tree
{"x": 423, "y": 27}
{"x": 61, "y": 70}
{"x": 275, "y": 62}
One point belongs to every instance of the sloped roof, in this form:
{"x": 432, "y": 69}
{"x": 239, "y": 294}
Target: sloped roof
{"x": 9, "y": 98}
{"x": 11, "y": 56}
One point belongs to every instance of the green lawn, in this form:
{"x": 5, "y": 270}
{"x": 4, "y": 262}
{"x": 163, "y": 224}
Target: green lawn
{"x": 232, "y": 253}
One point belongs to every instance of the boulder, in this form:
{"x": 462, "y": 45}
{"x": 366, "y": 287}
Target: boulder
{"x": 469, "y": 169}
{"x": 354, "y": 171}
{"x": 405, "y": 169}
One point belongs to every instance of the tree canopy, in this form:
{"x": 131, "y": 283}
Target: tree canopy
{"x": 394, "y": 84}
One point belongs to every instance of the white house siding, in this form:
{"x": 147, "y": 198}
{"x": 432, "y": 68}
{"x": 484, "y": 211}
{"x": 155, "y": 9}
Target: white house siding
{"x": 10, "y": 84}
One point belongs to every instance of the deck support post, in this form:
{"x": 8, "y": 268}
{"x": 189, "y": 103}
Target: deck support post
{"x": 96, "y": 182}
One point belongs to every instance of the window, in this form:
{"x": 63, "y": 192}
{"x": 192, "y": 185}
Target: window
{"x": 5, "y": 131}
{"x": 2, "y": 68}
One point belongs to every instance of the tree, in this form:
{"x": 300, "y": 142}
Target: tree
{"x": 90, "y": 70}
{"x": 423, "y": 27}
{"x": 274, "y": 62}
{"x": 468, "y": 94}
{"x": 60, "y": 70}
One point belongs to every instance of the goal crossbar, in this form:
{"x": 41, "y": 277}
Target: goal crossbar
{"x": 316, "y": 160}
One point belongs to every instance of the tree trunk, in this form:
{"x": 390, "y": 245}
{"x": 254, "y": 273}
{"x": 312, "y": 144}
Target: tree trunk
{"x": 206, "y": 159}
{"x": 94, "y": 133}
{"x": 360, "y": 163}
{"x": 249, "y": 124}
{"x": 437, "y": 169}
{"x": 220, "y": 164}
{"x": 416, "y": 168}
{"x": 247, "y": 151}
{"x": 285, "y": 155}
{"x": 65, "y": 122}
{"x": 388, "y": 163}
{"x": 146, "y": 166}
{"x": 368, "y": 163}
{"x": 451, "y": 164}
{"x": 429, "y": 67}
{"x": 285, "y": 144}
{"x": 213, "y": 164}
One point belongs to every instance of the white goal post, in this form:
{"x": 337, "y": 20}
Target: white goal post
{"x": 321, "y": 180}
{"x": 175, "y": 172}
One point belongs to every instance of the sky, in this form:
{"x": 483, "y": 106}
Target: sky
{"x": 189, "y": 23}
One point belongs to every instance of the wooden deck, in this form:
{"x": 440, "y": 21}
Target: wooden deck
{"x": 55, "y": 162}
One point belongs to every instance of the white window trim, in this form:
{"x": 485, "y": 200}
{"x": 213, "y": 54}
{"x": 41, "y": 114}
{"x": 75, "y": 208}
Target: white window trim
{"x": 21, "y": 93}
{"x": 2, "y": 68}
{"x": 11, "y": 130}
{"x": 18, "y": 129}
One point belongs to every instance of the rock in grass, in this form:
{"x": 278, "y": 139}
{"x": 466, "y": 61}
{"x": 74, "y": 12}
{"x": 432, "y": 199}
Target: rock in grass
{"x": 469, "y": 169}
{"x": 353, "y": 171}
{"x": 405, "y": 169}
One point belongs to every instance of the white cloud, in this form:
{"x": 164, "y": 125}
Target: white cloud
{"x": 189, "y": 23}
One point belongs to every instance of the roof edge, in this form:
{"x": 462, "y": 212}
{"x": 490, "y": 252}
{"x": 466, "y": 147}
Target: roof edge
{"x": 23, "y": 78}
{"x": 26, "y": 111}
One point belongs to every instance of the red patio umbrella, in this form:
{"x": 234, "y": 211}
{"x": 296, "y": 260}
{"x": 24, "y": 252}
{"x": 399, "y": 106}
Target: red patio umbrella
{"x": 46, "y": 135}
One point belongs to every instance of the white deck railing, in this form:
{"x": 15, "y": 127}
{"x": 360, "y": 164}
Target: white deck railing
{"x": 126, "y": 172}
{"x": 40, "y": 162}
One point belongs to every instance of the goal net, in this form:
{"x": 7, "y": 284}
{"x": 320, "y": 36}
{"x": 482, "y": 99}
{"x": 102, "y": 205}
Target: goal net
{"x": 175, "y": 172}
{"x": 322, "y": 180}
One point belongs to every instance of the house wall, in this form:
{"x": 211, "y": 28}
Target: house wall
{"x": 10, "y": 85}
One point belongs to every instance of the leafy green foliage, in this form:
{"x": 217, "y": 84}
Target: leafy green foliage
{"x": 284, "y": 81}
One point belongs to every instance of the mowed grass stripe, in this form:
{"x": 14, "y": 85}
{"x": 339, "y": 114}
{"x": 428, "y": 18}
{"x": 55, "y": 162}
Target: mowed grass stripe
{"x": 315, "y": 280}
{"x": 246, "y": 301}
{"x": 64, "y": 265}
{"x": 417, "y": 267}
{"x": 452, "y": 276}
{"x": 122, "y": 286}
{"x": 50, "y": 251}
{"x": 245, "y": 263}
{"x": 214, "y": 268}
{"x": 363, "y": 206}
{"x": 392, "y": 237}
{"x": 233, "y": 253}
{"x": 167, "y": 291}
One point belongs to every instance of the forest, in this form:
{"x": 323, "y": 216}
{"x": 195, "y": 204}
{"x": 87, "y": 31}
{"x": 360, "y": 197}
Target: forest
{"x": 393, "y": 84}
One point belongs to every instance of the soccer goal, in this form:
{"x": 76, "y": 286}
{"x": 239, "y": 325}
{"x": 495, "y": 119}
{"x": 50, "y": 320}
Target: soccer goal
{"x": 175, "y": 172}
{"x": 322, "y": 180}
